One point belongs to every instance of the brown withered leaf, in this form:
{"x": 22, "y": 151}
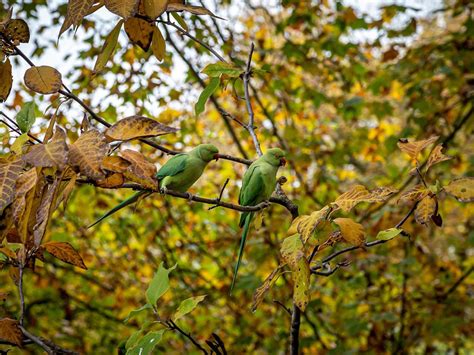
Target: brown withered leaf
{"x": 76, "y": 10}
{"x": 140, "y": 169}
{"x": 416, "y": 193}
{"x": 436, "y": 157}
{"x": 123, "y": 8}
{"x": 352, "y": 232}
{"x": 115, "y": 164}
{"x": 49, "y": 155}
{"x": 306, "y": 225}
{"x": 196, "y": 10}
{"x": 10, "y": 169}
{"x": 24, "y": 184}
{"x": 10, "y": 331}
{"x": 154, "y": 8}
{"x": 65, "y": 252}
{"x": 461, "y": 188}
{"x": 6, "y": 79}
{"x": 359, "y": 193}
{"x": 43, "y": 79}
{"x": 44, "y": 211}
{"x": 140, "y": 32}
{"x": 425, "y": 209}
{"x": 114, "y": 180}
{"x": 260, "y": 292}
{"x": 88, "y": 152}
{"x": 8, "y": 252}
{"x": 414, "y": 148}
{"x": 17, "y": 30}
{"x": 137, "y": 127}
{"x": 66, "y": 189}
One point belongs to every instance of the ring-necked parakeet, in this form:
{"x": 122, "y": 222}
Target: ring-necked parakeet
{"x": 258, "y": 185}
{"x": 179, "y": 173}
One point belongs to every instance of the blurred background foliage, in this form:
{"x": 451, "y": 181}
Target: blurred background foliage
{"x": 337, "y": 89}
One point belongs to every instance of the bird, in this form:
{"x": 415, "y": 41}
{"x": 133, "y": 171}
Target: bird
{"x": 257, "y": 186}
{"x": 179, "y": 173}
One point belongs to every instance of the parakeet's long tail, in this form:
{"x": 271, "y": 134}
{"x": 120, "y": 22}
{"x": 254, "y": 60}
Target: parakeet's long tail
{"x": 121, "y": 205}
{"x": 248, "y": 219}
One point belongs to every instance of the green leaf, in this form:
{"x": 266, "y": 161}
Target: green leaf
{"x": 388, "y": 234}
{"x": 205, "y": 95}
{"x": 26, "y": 117}
{"x": 159, "y": 285}
{"x": 18, "y": 143}
{"x": 146, "y": 344}
{"x": 180, "y": 20}
{"x": 108, "y": 48}
{"x": 133, "y": 313}
{"x": 133, "y": 339}
{"x": 219, "y": 68}
{"x": 187, "y": 306}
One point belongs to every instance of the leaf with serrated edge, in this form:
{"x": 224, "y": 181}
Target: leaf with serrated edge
{"x": 351, "y": 231}
{"x": 123, "y": 8}
{"x": 461, "y": 188}
{"x": 65, "y": 252}
{"x": 6, "y": 79}
{"x": 52, "y": 154}
{"x": 10, "y": 169}
{"x": 187, "y": 306}
{"x": 436, "y": 157}
{"x": 43, "y": 79}
{"x": 159, "y": 284}
{"x": 10, "y": 331}
{"x": 135, "y": 127}
{"x": 414, "y": 148}
{"x": 140, "y": 32}
{"x": 425, "y": 209}
{"x": 88, "y": 152}
{"x": 108, "y": 48}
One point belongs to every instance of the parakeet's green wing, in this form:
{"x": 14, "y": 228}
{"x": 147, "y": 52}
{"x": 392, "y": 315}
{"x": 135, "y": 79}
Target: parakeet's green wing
{"x": 252, "y": 188}
{"x": 173, "y": 166}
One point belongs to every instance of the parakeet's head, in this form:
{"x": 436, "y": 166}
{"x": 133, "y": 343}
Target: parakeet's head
{"x": 207, "y": 152}
{"x": 275, "y": 157}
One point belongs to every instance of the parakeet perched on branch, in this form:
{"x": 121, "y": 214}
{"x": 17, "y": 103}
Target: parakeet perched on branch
{"x": 258, "y": 185}
{"x": 179, "y": 173}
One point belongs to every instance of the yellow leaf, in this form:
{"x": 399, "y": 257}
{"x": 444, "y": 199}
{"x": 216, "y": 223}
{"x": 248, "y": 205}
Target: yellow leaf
{"x": 108, "y": 48}
{"x": 462, "y": 189}
{"x": 413, "y": 149}
{"x": 425, "y": 209}
{"x": 6, "y": 79}
{"x": 76, "y": 10}
{"x": 10, "y": 331}
{"x": 52, "y": 154}
{"x": 43, "y": 79}
{"x": 416, "y": 193}
{"x": 158, "y": 44}
{"x": 115, "y": 164}
{"x": 88, "y": 152}
{"x": 123, "y": 8}
{"x": 137, "y": 127}
{"x": 359, "y": 193}
{"x": 114, "y": 180}
{"x": 267, "y": 284}
{"x": 140, "y": 32}
{"x": 17, "y": 30}
{"x": 154, "y": 8}
{"x": 10, "y": 169}
{"x": 351, "y": 231}
{"x": 292, "y": 250}
{"x": 436, "y": 156}
{"x": 306, "y": 225}
{"x": 18, "y": 144}
{"x": 196, "y": 10}
{"x": 65, "y": 252}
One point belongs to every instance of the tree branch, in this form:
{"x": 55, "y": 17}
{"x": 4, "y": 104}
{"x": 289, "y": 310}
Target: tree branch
{"x": 173, "y": 326}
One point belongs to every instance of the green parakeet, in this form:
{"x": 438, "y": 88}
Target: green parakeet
{"x": 179, "y": 173}
{"x": 257, "y": 186}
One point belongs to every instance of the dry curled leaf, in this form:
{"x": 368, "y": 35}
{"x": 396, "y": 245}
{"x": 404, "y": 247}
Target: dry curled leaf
{"x": 49, "y": 155}
{"x": 140, "y": 32}
{"x": 123, "y": 8}
{"x": 262, "y": 290}
{"x": 43, "y": 79}
{"x": 44, "y": 211}
{"x": 425, "y": 209}
{"x": 17, "y": 31}
{"x": 64, "y": 252}
{"x": 88, "y": 152}
{"x": 76, "y": 10}
{"x": 10, "y": 332}
{"x": 10, "y": 169}
{"x": 115, "y": 164}
{"x": 195, "y": 10}
{"x": 134, "y": 127}
{"x": 6, "y": 79}
{"x": 414, "y": 148}
{"x": 436, "y": 157}
{"x": 359, "y": 193}
{"x": 416, "y": 193}
{"x": 462, "y": 189}
{"x": 352, "y": 232}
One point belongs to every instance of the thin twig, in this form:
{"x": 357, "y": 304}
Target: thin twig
{"x": 20, "y": 291}
{"x": 173, "y": 326}
{"x": 220, "y": 194}
{"x": 457, "y": 283}
{"x": 36, "y": 340}
{"x": 283, "y": 306}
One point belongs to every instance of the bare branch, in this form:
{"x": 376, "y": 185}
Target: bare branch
{"x": 173, "y": 326}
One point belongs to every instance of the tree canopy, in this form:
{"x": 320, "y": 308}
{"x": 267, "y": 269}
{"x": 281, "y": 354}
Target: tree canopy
{"x": 366, "y": 244}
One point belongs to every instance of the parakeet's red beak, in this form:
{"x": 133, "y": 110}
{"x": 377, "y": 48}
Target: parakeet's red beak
{"x": 216, "y": 156}
{"x": 282, "y": 162}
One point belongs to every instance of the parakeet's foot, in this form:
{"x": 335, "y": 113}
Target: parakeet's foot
{"x": 190, "y": 196}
